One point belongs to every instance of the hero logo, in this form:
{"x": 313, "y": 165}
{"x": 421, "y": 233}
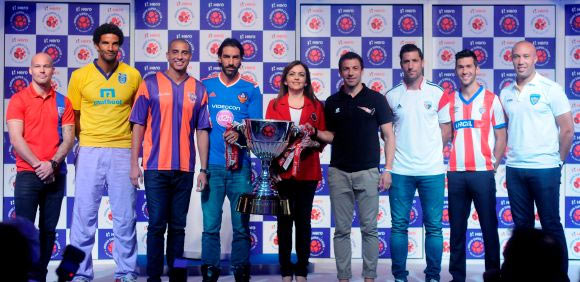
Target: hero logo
{"x": 83, "y": 22}
{"x": 446, "y": 24}
{"x": 315, "y": 23}
{"x": 184, "y": 16}
{"x": 540, "y": 24}
{"x": 317, "y": 246}
{"x": 224, "y": 118}
{"x": 279, "y": 18}
{"x": 509, "y": 24}
{"x": 346, "y": 24}
{"x": 152, "y": 17}
{"x": 574, "y": 215}
{"x": 20, "y": 53}
{"x": 20, "y": 21}
{"x": 376, "y": 23}
{"x": 575, "y": 22}
{"x": 51, "y": 21}
{"x": 477, "y": 24}
{"x": 408, "y": 24}
{"x": 279, "y": 49}
{"x": 247, "y": 17}
{"x": 108, "y": 246}
{"x": 317, "y": 214}
{"x": 216, "y": 17}
{"x": 476, "y": 247}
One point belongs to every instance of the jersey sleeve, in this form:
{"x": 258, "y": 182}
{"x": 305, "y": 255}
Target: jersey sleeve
{"x": 203, "y": 112}
{"x": 255, "y": 108}
{"x": 384, "y": 112}
{"x": 558, "y": 101}
{"x": 15, "y": 109}
{"x": 443, "y": 108}
{"x": 141, "y": 106}
{"x": 74, "y": 91}
{"x": 68, "y": 118}
{"x": 497, "y": 114}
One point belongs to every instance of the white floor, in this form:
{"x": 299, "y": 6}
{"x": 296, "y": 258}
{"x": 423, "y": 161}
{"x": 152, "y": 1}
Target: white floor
{"x": 325, "y": 271}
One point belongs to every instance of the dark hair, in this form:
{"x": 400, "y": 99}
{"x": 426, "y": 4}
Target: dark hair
{"x": 410, "y": 48}
{"x": 178, "y": 40}
{"x": 233, "y": 43}
{"x": 106, "y": 29}
{"x": 308, "y": 91}
{"x": 466, "y": 53}
{"x": 350, "y": 56}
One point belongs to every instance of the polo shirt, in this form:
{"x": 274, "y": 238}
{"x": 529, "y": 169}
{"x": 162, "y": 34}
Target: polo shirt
{"x": 170, "y": 113}
{"x": 532, "y": 131}
{"x": 354, "y": 122}
{"x": 418, "y": 113}
{"x": 40, "y": 118}
{"x": 474, "y": 121}
{"x": 236, "y": 101}
{"x": 104, "y": 102}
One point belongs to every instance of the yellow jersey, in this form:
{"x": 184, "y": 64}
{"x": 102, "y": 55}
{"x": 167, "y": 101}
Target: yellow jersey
{"x": 104, "y": 103}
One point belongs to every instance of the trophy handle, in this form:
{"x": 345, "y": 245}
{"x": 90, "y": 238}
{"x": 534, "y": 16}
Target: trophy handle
{"x": 240, "y": 128}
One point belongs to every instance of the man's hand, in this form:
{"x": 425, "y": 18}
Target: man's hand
{"x": 201, "y": 181}
{"x": 231, "y": 136}
{"x": 385, "y": 181}
{"x": 43, "y": 170}
{"x": 136, "y": 175}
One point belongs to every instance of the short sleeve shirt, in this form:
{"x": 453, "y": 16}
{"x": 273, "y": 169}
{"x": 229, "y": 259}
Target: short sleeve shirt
{"x": 532, "y": 131}
{"x": 355, "y": 122}
{"x": 418, "y": 113}
{"x": 40, "y": 119}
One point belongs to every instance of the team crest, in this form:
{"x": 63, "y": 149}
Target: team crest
{"x": 313, "y": 117}
{"x": 243, "y": 97}
{"x": 192, "y": 97}
{"x": 427, "y": 104}
{"x": 482, "y": 110}
{"x": 534, "y": 98}
{"x": 122, "y": 78}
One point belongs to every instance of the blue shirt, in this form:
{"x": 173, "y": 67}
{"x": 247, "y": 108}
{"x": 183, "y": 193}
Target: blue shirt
{"x": 227, "y": 103}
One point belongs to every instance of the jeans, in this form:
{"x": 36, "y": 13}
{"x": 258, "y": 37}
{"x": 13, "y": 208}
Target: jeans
{"x": 300, "y": 194}
{"x": 222, "y": 183}
{"x": 345, "y": 189}
{"x": 31, "y": 193}
{"x": 168, "y": 194}
{"x": 542, "y": 187}
{"x": 401, "y": 198}
{"x": 465, "y": 186}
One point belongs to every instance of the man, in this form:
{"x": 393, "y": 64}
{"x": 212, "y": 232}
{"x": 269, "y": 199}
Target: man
{"x": 231, "y": 98}
{"x": 536, "y": 153}
{"x": 479, "y": 140}
{"x": 101, "y": 94}
{"x": 169, "y": 108}
{"x": 41, "y": 128}
{"x": 353, "y": 116}
{"x": 421, "y": 128}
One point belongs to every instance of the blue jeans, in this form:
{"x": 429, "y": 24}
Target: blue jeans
{"x": 168, "y": 194}
{"x": 222, "y": 183}
{"x": 31, "y": 193}
{"x": 401, "y": 199}
{"x": 542, "y": 187}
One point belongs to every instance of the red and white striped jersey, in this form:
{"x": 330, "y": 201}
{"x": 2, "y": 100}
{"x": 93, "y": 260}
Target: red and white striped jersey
{"x": 473, "y": 123}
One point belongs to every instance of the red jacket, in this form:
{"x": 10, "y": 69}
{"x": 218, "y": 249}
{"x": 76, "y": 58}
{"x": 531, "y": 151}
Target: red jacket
{"x": 313, "y": 113}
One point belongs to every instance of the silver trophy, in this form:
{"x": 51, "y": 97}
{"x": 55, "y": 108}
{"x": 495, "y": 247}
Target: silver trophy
{"x": 267, "y": 139}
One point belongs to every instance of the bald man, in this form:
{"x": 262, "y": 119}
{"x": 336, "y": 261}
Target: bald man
{"x": 41, "y": 126}
{"x": 540, "y": 132}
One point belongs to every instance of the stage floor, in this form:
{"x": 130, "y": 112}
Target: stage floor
{"x": 326, "y": 271}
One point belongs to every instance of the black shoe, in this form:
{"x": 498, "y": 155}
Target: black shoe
{"x": 210, "y": 273}
{"x": 241, "y": 273}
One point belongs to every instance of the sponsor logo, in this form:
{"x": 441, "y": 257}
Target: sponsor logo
{"x": 184, "y": 16}
{"x": 448, "y": 85}
{"x": 346, "y": 24}
{"x": 152, "y": 17}
{"x": 54, "y": 51}
{"x": 275, "y": 80}
{"x": 20, "y": 21}
{"x": 317, "y": 214}
{"x": 463, "y": 124}
{"x": 534, "y": 98}
{"x": 52, "y": 21}
{"x": 575, "y": 248}
{"x": 224, "y": 117}
{"x": 83, "y": 54}
{"x": 505, "y": 55}
{"x": 574, "y": 215}
{"x": 540, "y": 23}
{"x": 446, "y": 56}
{"x": 543, "y": 55}
{"x": 408, "y": 24}
{"x": 575, "y": 86}
{"x": 18, "y": 83}
{"x": 56, "y": 248}
{"x": 382, "y": 247}
{"x": 20, "y": 53}
{"x": 242, "y": 97}
{"x": 315, "y": 55}
{"x": 250, "y": 49}
{"x": 377, "y": 55}
{"x": 376, "y": 23}
{"x": 216, "y": 17}
{"x": 377, "y": 84}
{"x": 509, "y": 24}
{"x": 382, "y": 215}
{"x": 480, "y": 54}
{"x": 446, "y": 24}
{"x": 247, "y": 17}
{"x": 151, "y": 48}
{"x": 476, "y": 247}
{"x": 122, "y": 78}
{"x": 145, "y": 210}
{"x": 505, "y": 82}
{"x": 413, "y": 215}
{"x": 279, "y": 18}
{"x": 279, "y": 49}
{"x": 274, "y": 240}
{"x": 105, "y": 94}
{"x": 574, "y": 182}
{"x": 575, "y": 54}
{"x": 505, "y": 216}
{"x": 212, "y": 47}
{"x": 575, "y": 22}
{"x": 445, "y": 217}
{"x": 268, "y": 130}
{"x": 477, "y": 24}
{"x": 411, "y": 247}
{"x": 317, "y": 246}
{"x": 315, "y": 24}
{"x": 83, "y": 22}
{"x": 116, "y": 19}
{"x": 253, "y": 239}
{"x": 108, "y": 247}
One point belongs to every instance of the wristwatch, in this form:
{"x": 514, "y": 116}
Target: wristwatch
{"x": 204, "y": 170}
{"x": 54, "y": 164}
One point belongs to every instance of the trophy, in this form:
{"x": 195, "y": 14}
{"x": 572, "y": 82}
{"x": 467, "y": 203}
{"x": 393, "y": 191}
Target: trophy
{"x": 267, "y": 139}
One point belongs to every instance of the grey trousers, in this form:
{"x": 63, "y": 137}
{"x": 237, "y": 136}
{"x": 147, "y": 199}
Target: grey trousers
{"x": 345, "y": 188}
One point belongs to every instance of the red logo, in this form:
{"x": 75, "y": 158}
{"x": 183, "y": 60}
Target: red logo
{"x": 477, "y": 247}
{"x": 447, "y": 87}
{"x": 279, "y": 49}
{"x": 83, "y": 22}
{"x": 446, "y": 56}
{"x": 377, "y": 23}
{"x": 346, "y": 24}
{"x": 377, "y": 55}
{"x": 184, "y": 16}
{"x": 216, "y": 17}
{"x": 445, "y": 217}
{"x": 116, "y": 21}
{"x": 507, "y": 56}
{"x": 509, "y": 24}
{"x": 52, "y": 22}
{"x": 83, "y": 54}
{"x": 408, "y": 24}
{"x": 279, "y": 18}
{"x": 479, "y": 55}
{"x": 19, "y": 53}
{"x": 540, "y": 24}
{"x": 20, "y": 21}
{"x": 249, "y": 50}
{"x": 316, "y": 86}
{"x": 53, "y": 52}
{"x": 152, "y": 17}
{"x": 315, "y": 55}
{"x": 269, "y": 131}
{"x": 447, "y": 24}
{"x": 542, "y": 55}
{"x": 314, "y": 23}
{"x": 248, "y": 17}
{"x": 377, "y": 86}
{"x": 477, "y": 24}
{"x": 18, "y": 85}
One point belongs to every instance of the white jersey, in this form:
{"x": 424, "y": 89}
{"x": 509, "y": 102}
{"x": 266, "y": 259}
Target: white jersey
{"x": 418, "y": 113}
{"x": 473, "y": 123}
{"x": 532, "y": 131}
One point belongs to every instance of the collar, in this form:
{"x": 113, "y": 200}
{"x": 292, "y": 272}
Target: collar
{"x": 103, "y": 72}
{"x": 421, "y": 85}
{"x": 533, "y": 82}
{"x": 361, "y": 92}
{"x": 175, "y": 83}
{"x": 479, "y": 90}
{"x": 232, "y": 83}
{"x": 32, "y": 92}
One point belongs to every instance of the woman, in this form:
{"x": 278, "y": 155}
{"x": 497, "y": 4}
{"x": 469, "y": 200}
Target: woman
{"x": 296, "y": 102}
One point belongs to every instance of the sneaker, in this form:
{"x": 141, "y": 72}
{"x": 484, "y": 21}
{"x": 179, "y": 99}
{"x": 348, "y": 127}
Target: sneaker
{"x": 432, "y": 280}
{"x": 127, "y": 278}
{"x": 81, "y": 279}
{"x": 400, "y": 280}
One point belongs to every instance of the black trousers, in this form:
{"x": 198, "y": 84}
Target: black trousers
{"x": 479, "y": 187}
{"x": 300, "y": 194}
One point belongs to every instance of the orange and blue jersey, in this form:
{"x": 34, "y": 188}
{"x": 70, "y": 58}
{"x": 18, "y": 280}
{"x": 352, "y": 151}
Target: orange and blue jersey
{"x": 170, "y": 113}
{"x": 227, "y": 103}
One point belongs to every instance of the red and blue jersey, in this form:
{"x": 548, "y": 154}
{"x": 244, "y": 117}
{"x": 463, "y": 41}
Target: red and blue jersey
{"x": 170, "y": 113}
{"x": 227, "y": 103}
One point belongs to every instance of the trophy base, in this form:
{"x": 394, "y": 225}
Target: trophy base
{"x": 264, "y": 205}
